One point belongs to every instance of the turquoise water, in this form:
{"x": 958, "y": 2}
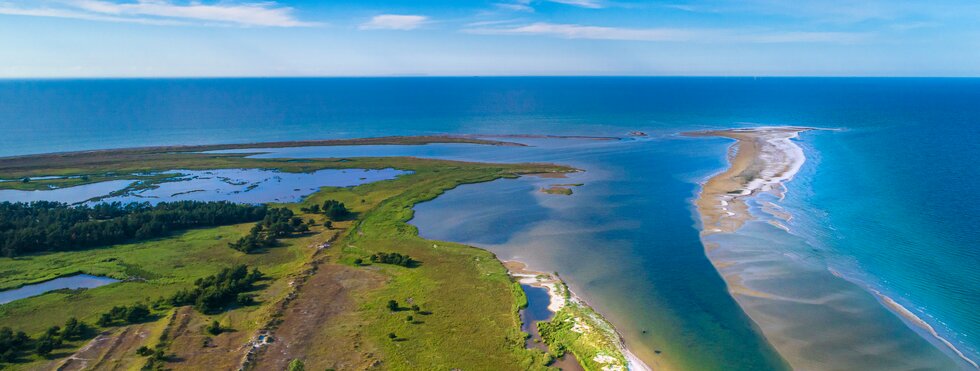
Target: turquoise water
{"x": 77, "y": 281}
{"x": 886, "y": 203}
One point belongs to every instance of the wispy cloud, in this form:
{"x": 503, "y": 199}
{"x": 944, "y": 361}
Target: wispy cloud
{"x": 593, "y": 4}
{"x": 395, "y": 22}
{"x": 517, "y": 6}
{"x": 162, "y": 12}
{"x": 575, "y": 31}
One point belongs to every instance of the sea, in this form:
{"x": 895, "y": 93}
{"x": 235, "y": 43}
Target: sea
{"x": 883, "y": 209}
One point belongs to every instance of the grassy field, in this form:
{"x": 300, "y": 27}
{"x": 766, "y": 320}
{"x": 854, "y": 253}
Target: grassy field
{"x": 468, "y": 316}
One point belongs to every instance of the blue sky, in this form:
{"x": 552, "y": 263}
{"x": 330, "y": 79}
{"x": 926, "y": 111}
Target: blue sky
{"x": 163, "y": 38}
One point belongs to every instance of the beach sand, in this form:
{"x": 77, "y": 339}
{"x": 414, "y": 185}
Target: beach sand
{"x": 814, "y": 317}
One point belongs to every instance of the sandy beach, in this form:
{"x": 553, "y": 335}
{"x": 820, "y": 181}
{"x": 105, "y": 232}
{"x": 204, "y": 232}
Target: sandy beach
{"x": 760, "y": 161}
{"x": 560, "y": 296}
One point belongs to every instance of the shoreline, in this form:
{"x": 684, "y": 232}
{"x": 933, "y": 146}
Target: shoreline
{"x": 560, "y": 297}
{"x": 761, "y": 161}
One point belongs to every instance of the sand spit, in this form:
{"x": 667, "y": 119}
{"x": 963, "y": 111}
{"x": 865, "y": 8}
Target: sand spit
{"x": 560, "y": 296}
{"x": 813, "y": 317}
{"x": 761, "y": 160}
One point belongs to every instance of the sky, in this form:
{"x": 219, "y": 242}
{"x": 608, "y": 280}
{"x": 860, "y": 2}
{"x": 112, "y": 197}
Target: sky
{"x": 220, "y": 38}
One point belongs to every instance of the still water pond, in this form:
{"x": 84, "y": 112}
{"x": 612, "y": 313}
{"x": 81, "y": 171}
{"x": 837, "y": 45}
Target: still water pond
{"x": 71, "y": 282}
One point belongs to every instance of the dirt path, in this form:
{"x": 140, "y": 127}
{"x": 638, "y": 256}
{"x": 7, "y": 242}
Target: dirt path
{"x": 320, "y": 325}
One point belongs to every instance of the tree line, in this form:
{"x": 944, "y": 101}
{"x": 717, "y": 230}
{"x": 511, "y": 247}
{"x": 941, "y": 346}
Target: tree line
{"x": 40, "y": 226}
{"x": 276, "y": 224}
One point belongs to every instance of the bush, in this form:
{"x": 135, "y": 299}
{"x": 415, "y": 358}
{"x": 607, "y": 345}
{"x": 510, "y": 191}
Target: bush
{"x": 296, "y": 365}
{"x": 214, "y": 328}
{"x": 144, "y": 351}
{"x": 393, "y": 258}
{"x": 392, "y": 305}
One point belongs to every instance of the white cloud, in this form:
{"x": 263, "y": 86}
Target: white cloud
{"x": 164, "y": 12}
{"x": 574, "y": 31}
{"x": 395, "y": 22}
{"x": 593, "y": 4}
{"x": 517, "y": 7}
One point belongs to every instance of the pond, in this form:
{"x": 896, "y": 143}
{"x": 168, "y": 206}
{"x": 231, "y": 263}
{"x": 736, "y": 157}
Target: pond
{"x": 71, "y": 282}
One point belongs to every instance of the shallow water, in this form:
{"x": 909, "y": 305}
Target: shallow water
{"x": 605, "y": 239}
{"x": 889, "y": 203}
{"x": 71, "y": 282}
{"x": 68, "y": 195}
{"x": 235, "y": 185}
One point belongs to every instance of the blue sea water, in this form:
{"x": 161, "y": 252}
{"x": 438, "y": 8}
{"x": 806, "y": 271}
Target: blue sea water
{"x": 887, "y": 201}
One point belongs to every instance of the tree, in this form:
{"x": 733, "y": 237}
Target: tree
{"x": 105, "y": 320}
{"x": 296, "y": 365}
{"x": 74, "y": 329}
{"x": 214, "y": 328}
{"x": 137, "y": 313}
{"x": 392, "y": 336}
{"x": 144, "y": 351}
{"x": 358, "y": 261}
{"x": 392, "y": 305}
{"x": 335, "y": 210}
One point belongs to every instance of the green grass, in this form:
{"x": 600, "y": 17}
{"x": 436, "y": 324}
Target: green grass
{"x": 579, "y": 329}
{"x": 152, "y": 269}
{"x": 473, "y": 321}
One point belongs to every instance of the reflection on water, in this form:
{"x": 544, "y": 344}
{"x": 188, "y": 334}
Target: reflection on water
{"x": 71, "y": 282}
{"x": 236, "y": 185}
{"x": 625, "y": 241}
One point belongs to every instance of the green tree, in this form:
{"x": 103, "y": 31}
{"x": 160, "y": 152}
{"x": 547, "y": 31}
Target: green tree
{"x": 296, "y": 365}
{"x": 392, "y": 305}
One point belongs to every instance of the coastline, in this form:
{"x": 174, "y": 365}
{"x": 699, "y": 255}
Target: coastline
{"x": 561, "y": 298}
{"x": 760, "y": 162}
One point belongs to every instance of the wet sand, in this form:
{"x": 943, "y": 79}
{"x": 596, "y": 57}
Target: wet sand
{"x": 814, "y": 317}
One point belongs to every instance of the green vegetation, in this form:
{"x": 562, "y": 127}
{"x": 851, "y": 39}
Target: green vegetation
{"x": 579, "y": 329}
{"x": 214, "y": 293}
{"x": 333, "y": 209}
{"x": 277, "y": 223}
{"x": 53, "y": 226}
{"x": 470, "y": 318}
{"x": 135, "y": 313}
{"x": 393, "y": 258}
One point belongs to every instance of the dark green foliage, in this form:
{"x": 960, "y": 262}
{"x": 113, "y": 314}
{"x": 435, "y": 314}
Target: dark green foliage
{"x": 214, "y": 328}
{"x": 27, "y": 228}
{"x": 214, "y": 293}
{"x": 409, "y": 318}
{"x": 358, "y": 261}
{"x": 336, "y": 210}
{"x": 144, "y": 351}
{"x": 135, "y": 313}
{"x": 11, "y": 343}
{"x": 393, "y": 305}
{"x": 392, "y": 336}
{"x": 276, "y": 224}
{"x": 393, "y": 258}
{"x": 416, "y": 308}
{"x": 74, "y": 329}
{"x": 245, "y": 299}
